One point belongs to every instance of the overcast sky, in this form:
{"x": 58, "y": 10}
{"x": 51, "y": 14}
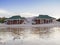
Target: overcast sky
{"x": 28, "y": 8}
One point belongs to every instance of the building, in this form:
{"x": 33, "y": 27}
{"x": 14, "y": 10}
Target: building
{"x": 15, "y": 20}
{"x": 43, "y": 19}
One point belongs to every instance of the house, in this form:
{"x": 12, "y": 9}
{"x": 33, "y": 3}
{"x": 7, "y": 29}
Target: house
{"x": 43, "y": 19}
{"x": 15, "y": 20}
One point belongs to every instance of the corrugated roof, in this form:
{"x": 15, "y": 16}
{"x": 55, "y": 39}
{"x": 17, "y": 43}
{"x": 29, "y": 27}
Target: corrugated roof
{"x": 44, "y": 16}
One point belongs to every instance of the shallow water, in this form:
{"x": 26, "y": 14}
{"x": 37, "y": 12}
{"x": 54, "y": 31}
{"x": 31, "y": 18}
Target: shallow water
{"x": 30, "y": 36}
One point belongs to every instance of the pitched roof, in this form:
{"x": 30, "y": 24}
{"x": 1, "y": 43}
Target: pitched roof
{"x": 44, "y": 17}
{"x": 16, "y": 17}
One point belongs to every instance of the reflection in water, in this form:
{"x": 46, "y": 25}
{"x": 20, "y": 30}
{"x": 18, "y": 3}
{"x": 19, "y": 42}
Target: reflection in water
{"x": 41, "y": 32}
{"x": 29, "y": 33}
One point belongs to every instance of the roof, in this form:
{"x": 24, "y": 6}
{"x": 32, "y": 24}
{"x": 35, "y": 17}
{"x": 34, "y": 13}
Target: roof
{"x": 16, "y": 17}
{"x": 44, "y": 17}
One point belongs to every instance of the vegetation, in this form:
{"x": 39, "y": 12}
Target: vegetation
{"x": 58, "y": 20}
{"x": 2, "y": 20}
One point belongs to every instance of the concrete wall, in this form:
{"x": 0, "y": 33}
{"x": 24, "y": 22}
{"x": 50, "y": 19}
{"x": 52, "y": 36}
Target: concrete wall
{"x": 15, "y": 21}
{"x": 43, "y": 21}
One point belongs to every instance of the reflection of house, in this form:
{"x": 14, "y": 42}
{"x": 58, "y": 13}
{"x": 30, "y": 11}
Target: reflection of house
{"x": 15, "y": 20}
{"x": 42, "y": 19}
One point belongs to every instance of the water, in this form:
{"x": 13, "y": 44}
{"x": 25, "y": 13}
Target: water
{"x": 30, "y": 36}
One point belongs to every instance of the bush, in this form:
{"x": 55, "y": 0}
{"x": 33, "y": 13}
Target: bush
{"x": 2, "y": 20}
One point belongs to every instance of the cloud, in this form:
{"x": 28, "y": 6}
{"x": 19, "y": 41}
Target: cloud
{"x": 3, "y": 11}
{"x": 27, "y": 14}
{"x": 51, "y": 11}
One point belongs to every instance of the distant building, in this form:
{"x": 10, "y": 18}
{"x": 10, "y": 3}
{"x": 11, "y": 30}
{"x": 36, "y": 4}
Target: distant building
{"x": 43, "y": 19}
{"x": 15, "y": 20}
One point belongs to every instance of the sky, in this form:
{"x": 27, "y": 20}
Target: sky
{"x": 29, "y": 8}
